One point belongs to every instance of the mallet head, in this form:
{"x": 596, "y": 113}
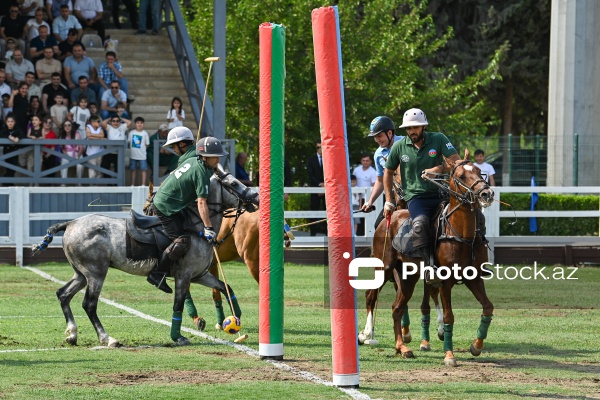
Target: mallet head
{"x": 212, "y": 59}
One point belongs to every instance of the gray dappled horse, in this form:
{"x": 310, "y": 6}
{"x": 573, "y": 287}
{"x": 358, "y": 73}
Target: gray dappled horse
{"x": 94, "y": 243}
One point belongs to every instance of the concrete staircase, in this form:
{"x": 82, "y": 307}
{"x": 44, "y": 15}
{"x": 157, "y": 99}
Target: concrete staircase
{"x": 154, "y": 79}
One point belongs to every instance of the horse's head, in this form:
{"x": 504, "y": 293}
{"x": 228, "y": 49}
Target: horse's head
{"x": 239, "y": 195}
{"x": 467, "y": 182}
{"x": 147, "y": 209}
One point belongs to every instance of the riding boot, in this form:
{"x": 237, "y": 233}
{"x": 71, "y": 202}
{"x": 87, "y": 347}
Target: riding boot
{"x": 422, "y": 244}
{"x": 158, "y": 275}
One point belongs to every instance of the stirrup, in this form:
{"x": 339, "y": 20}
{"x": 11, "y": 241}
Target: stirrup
{"x": 436, "y": 282}
{"x": 160, "y": 281}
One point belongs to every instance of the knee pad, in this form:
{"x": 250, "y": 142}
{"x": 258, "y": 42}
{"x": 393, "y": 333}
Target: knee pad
{"x": 420, "y": 231}
{"x": 178, "y": 248}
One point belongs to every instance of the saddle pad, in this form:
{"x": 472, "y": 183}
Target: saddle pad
{"x": 403, "y": 241}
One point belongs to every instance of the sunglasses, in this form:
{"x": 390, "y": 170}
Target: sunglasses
{"x": 115, "y": 120}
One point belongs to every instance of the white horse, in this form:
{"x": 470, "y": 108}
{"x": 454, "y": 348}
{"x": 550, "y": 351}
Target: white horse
{"x": 94, "y": 243}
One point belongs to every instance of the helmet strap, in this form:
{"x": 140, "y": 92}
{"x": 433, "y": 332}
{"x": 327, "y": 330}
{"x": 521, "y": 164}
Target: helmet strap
{"x": 390, "y": 139}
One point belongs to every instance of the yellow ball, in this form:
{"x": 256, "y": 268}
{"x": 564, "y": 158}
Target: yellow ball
{"x": 232, "y": 325}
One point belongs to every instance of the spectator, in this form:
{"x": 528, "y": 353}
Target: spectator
{"x": 487, "y": 171}
{"x": 138, "y": 143}
{"x": 53, "y": 8}
{"x": 20, "y": 105}
{"x": 89, "y": 13}
{"x": 131, "y": 8}
{"x": 166, "y": 159}
{"x": 47, "y": 66}
{"x": 35, "y": 107}
{"x": 116, "y": 129}
{"x": 316, "y": 178}
{"x": 4, "y": 88}
{"x": 355, "y": 202}
{"x": 12, "y": 25}
{"x": 121, "y": 111}
{"x": 11, "y": 131}
{"x": 33, "y": 25}
{"x": 65, "y": 48}
{"x": 79, "y": 65}
{"x": 34, "y": 90}
{"x": 65, "y": 24}
{"x": 110, "y": 98}
{"x": 80, "y": 115}
{"x": 110, "y": 71}
{"x": 176, "y": 115}
{"x": 48, "y": 160}
{"x": 11, "y": 45}
{"x": 94, "y": 109}
{"x": 83, "y": 89}
{"x": 17, "y": 68}
{"x": 49, "y": 92}
{"x": 93, "y": 131}
{"x": 240, "y": 169}
{"x": 44, "y": 40}
{"x": 58, "y": 112}
{"x": 29, "y": 7}
{"x": 155, "y": 6}
{"x": 71, "y": 150}
{"x": 5, "y": 108}
{"x": 34, "y": 132}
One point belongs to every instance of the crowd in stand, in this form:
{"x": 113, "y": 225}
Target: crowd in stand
{"x": 51, "y": 89}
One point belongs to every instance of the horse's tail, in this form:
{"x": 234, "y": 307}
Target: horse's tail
{"x": 38, "y": 248}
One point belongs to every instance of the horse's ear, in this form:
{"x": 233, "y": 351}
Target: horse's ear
{"x": 151, "y": 188}
{"x": 467, "y": 154}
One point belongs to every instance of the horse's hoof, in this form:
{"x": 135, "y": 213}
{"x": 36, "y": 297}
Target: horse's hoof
{"x": 407, "y": 338}
{"x": 361, "y": 338}
{"x": 72, "y": 340}
{"x": 450, "y": 362}
{"x": 407, "y": 354}
{"x": 113, "y": 343}
{"x": 425, "y": 346}
{"x": 441, "y": 334}
{"x": 474, "y": 350}
{"x": 182, "y": 341}
{"x": 218, "y": 327}
{"x": 200, "y": 323}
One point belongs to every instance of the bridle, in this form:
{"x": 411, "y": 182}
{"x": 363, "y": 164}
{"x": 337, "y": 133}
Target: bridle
{"x": 469, "y": 195}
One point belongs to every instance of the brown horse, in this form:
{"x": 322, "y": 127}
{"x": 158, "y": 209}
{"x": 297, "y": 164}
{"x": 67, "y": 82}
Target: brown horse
{"x": 237, "y": 238}
{"x": 461, "y": 241}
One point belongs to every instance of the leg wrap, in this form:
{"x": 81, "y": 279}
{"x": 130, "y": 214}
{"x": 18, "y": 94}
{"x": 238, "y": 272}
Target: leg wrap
{"x": 220, "y": 312}
{"x": 448, "y": 337}
{"x": 425, "y": 320}
{"x": 189, "y": 305}
{"x": 236, "y": 307}
{"x": 483, "y": 326}
{"x": 405, "y": 317}
{"x": 176, "y": 325}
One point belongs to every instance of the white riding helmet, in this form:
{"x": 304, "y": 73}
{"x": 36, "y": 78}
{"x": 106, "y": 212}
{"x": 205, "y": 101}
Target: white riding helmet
{"x": 178, "y": 134}
{"x": 414, "y": 117}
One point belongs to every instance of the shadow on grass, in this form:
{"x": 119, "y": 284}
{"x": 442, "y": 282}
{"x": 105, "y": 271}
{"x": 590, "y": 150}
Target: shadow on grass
{"x": 540, "y": 349}
{"x": 540, "y": 364}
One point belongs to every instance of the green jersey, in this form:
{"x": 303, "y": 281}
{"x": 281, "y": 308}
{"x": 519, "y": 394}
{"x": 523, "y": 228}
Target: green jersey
{"x": 183, "y": 186}
{"x": 190, "y": 153}
{"x": 413, "y": 161}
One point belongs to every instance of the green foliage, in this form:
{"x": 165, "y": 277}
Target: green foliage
{"x": 386, "y": 46}
{"x": 550, "y": 226}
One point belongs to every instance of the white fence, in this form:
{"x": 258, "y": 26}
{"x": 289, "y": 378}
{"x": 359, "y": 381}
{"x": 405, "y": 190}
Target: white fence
{"x": 19, "y": 216}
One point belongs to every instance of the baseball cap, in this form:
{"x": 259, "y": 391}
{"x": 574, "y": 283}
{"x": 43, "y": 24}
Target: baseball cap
{"x": 163, "y": 127}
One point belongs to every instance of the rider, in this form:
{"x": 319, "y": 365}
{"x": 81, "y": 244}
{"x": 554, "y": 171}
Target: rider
{"x": 420, "y": 153}
{"x": 382, "y": 130}
{"x": 190, "y": 181}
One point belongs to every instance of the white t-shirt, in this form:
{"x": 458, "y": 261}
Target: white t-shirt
{"x": 138, "y": 143}
{"x": 91, "y": 150}
{"x": 365, "y": 178}
{"x": 81, "y": 116}
{"x": 88, "y": 8}
{"x": 32, "y": 28}
{"x": 172, "y": 114}
{"x": 486, "y": 170}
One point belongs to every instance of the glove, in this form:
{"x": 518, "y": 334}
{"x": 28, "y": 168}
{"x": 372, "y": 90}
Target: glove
{"x": 367, "y": 207}
{"x": 389, "y": 206}
{"x": 209, "y": 234}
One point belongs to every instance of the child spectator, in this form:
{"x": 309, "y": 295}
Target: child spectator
{"x": 80, "y": 115}
{"x": 355, "y": 201}
{"x": 34, "y": 132}
{"x": 121, "y": 111}
{"x": 138, "y": 142}
{"x": 49, "y": 160}
{"x": 71, "y": 150}
{"x": 58, "y": 112}
{"x": 93, "y": 131}
{"x": 11, "y": 45}
{"x": 93, "y": 107}
{"x": 176, "y": 115}
{"x": 6, "y": 109}
{"x": 12, "y": 132}
{"x": 116, "y": 129}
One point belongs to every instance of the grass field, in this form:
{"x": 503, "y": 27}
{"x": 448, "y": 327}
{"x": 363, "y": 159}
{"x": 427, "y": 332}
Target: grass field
{"x": 544, "y": 342}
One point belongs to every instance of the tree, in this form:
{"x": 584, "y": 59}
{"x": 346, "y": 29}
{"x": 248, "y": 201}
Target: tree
{"x": 386, "y": 46}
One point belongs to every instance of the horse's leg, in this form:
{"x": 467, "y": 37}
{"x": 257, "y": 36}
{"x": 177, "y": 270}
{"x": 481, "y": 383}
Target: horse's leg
{"x": 182, "y": 285}
{"x": 435, "y": 292}
{"x": 366, "y": 335}
{"x": 403, "y": 295}
{"x": 90, "y": 304}
{"x": 211, "y": 281}
{"x": 216, "y": 295}
{"x": 446, "y": 295}
{"x": 190, "y": 307}
{"x": 477, "y": 287}
{"x": 65, "y": 295}
{"x": 425, "y": 318}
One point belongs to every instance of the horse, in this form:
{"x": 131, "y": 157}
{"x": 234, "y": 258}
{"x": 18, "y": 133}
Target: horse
{"x": 237, "y": 238}
{"x": 460, "y": 239}
{"x": 94, "y": 243}
{"x": 381, "y": 243}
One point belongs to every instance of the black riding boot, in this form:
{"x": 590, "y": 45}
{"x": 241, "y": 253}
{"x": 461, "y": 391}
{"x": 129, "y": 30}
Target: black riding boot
{"x": 158, "y": 275}
{"x": 422, "y": 243}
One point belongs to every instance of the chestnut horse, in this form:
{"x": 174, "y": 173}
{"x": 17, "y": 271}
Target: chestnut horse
{"x": 460, "y": 240}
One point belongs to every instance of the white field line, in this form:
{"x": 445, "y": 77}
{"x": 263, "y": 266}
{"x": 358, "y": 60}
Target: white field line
{"x": 354, "y": 393}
